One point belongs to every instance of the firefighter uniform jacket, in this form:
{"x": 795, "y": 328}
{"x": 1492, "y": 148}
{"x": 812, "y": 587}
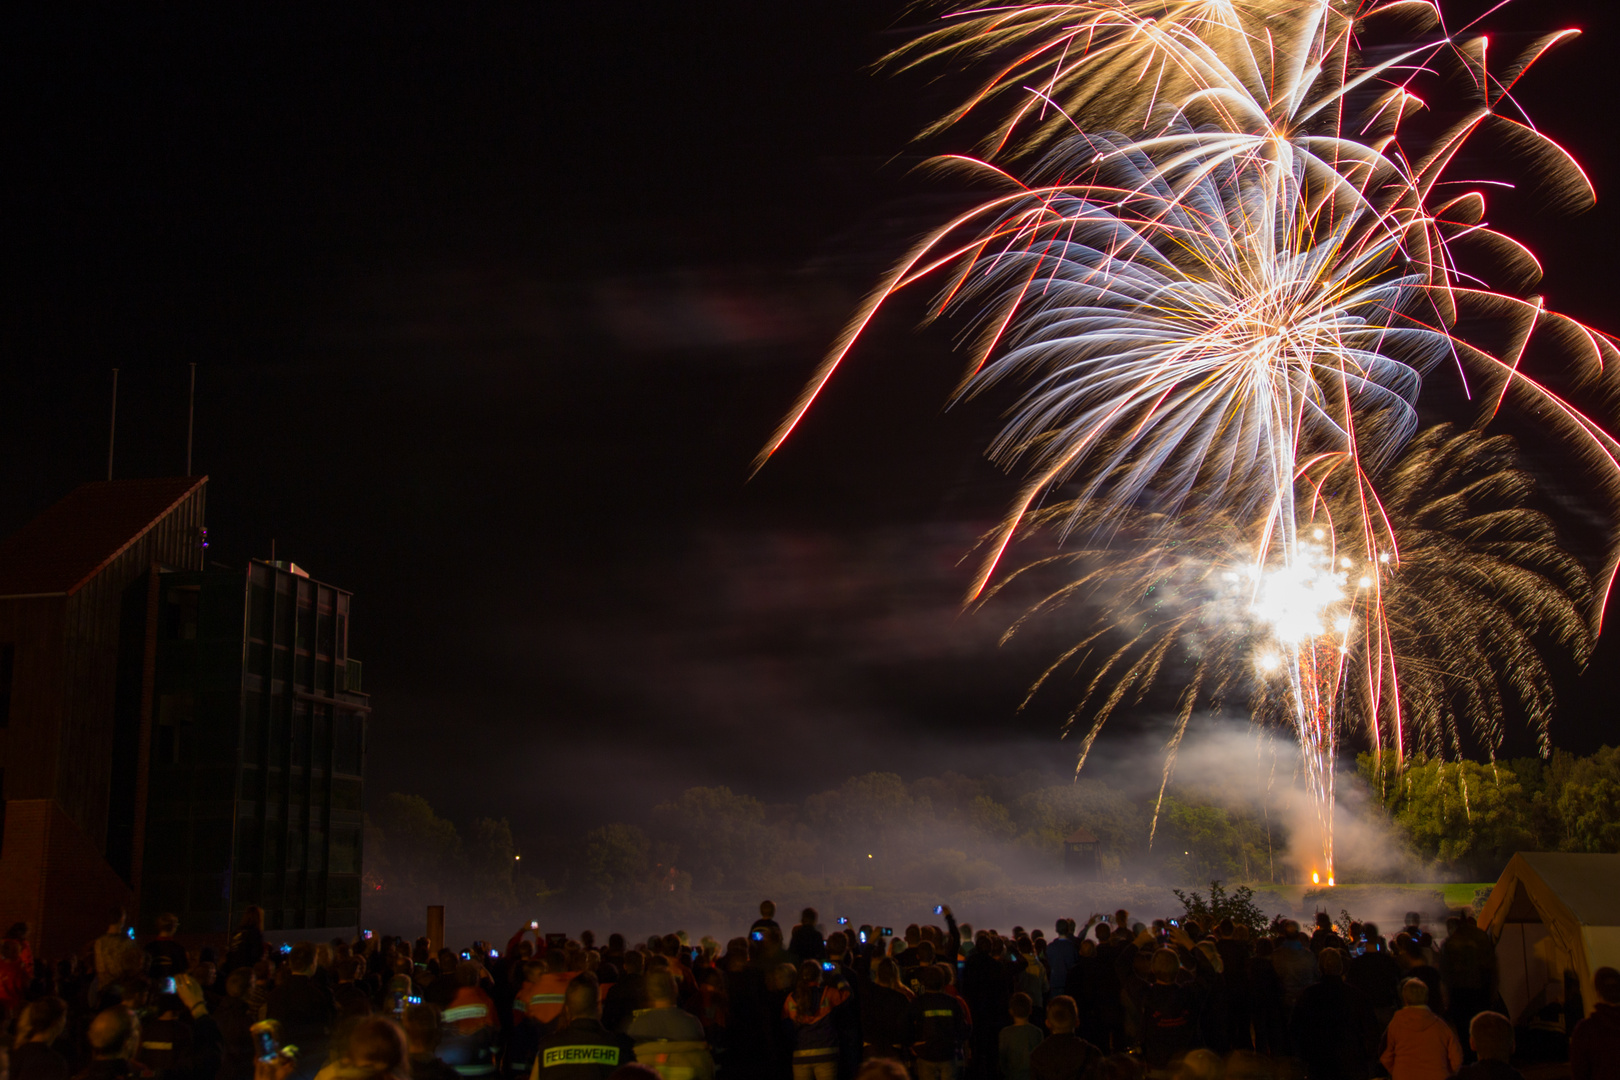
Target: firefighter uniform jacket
{"x": 584, "y": 1050}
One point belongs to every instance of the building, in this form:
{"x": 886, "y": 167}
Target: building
{"x": 258, "y": 748}
{"x": 76, "y": 598}
{"x": 172, "y": 738}
{"x": 1082, "y": 855}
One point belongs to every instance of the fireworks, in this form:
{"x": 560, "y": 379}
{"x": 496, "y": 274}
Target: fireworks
{"x": 1221, "y": 285}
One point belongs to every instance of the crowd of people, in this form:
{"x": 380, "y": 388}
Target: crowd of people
{"x": 1112, "y": 999}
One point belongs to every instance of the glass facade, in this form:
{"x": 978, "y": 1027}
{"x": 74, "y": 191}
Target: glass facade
{"x": 258, "y": 753}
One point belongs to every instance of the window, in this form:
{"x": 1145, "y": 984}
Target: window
{"x": 300, "y": 736}
{"x": 179, "y": 615}
{"x": 174, "y": 716}
{"x": 8, "y": 664}
{"x": 346, "y": 743}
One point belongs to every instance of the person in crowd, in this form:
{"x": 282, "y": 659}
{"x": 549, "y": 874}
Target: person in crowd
{"x": 810, "y": 1010}
{"x": 1376, "y": 973}
{"x": 581, "y": 1048}
{"x": 471, "y": 1026}
{"x": 937, "y": 1028}
{"x": 884, "y": 1008}
{"x": 1062, "y": 953}
{"x": 1018, "y": 1039}
{"x": 423, "y": 1030}
{"x": 1324, "y": 936}
{"x": 1419, "y": 1044}
{"x": 1232, "y": 943}
{"x": 1029, "y": 974}
{"x": 1594, "y": 1044}
{"x": 1414, "y": 959}
{"x": 987, "y": 984}
{"x": 235, "y": 1019}
{"x": 1333, "y": 1029}
{"x": 33, "y": 1053}
{"x": 18, "y": 932}
{"x": 1063, "y": 1055}
{"x": 14, "y": 978}
{"x": 767, "y": 917}
{"x": 1167, "y": 1011}
{"x": 246, "y": 948}
{"x": 882, "y": 1069}
{"x": 668, "y": 1038}
{"x": 377, "y": 1050}
{"x": 1490, "y": 1038}
{"x": 1468, "y": 970}
{"x": 165, "y": 1037}
{"x": 626, "y": 994}
{"x": 1295, "y": 964}
{"x": 166, "y": 957}
{"x": 114, "y": 1036}
{"x": 807, "y": 942}
{"x": 544, "y": 1005}
{"x": 305, "y": 1010}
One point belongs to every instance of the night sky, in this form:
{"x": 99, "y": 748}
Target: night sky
{"x": 491, "y": 309}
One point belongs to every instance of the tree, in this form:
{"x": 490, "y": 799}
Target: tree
{"x": 490, "y": 864}
{"x": 421, "y": 849}
{"x": 1203, "y": 841}
{"x": 615, "y": 869}
{"x": 1588, "y": 803}
{"x": 1468, "y": 816}
{"x": 717, "y": 836}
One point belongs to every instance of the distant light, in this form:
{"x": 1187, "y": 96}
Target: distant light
{"x": 1364, "y": 582}
{"x": 1384, "y": 558}
{"x": 1319, "y": 534}
{"x": 1316, "y": 879}
{"x": 869, "y": 856}
{"x": 516, "y": 857}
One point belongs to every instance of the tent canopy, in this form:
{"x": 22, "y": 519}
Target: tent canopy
{"x": 1552, "y": 912}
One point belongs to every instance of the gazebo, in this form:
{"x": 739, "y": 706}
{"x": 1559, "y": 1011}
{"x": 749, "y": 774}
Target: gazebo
{"x": 1082, "y": 854}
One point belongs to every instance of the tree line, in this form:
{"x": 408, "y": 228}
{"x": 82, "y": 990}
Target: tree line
{"x": 951, "y": 834}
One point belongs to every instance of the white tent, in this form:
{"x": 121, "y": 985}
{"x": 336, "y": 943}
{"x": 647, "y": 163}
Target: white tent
{"x": 1552, "y": 913}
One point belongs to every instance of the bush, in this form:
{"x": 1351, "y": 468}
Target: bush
{"x": 1238, "y": 905}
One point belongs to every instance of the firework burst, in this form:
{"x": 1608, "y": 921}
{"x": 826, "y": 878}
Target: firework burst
{"x": 1220, "y": 287}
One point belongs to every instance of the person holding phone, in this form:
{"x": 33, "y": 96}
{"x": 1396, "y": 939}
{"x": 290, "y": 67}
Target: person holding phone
{"x": 166, "y": 956}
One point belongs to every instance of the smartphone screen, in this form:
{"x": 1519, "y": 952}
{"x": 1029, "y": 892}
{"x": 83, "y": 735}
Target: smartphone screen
{"x": 758, "y": 935}
{"x": 267, "y": 1045}
{"x": 828, "y": 965}
{"x": 168, "y": 985}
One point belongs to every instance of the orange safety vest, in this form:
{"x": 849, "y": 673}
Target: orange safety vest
{"x": 470, "y": 1010}
{"x": 543, "y": 1000}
